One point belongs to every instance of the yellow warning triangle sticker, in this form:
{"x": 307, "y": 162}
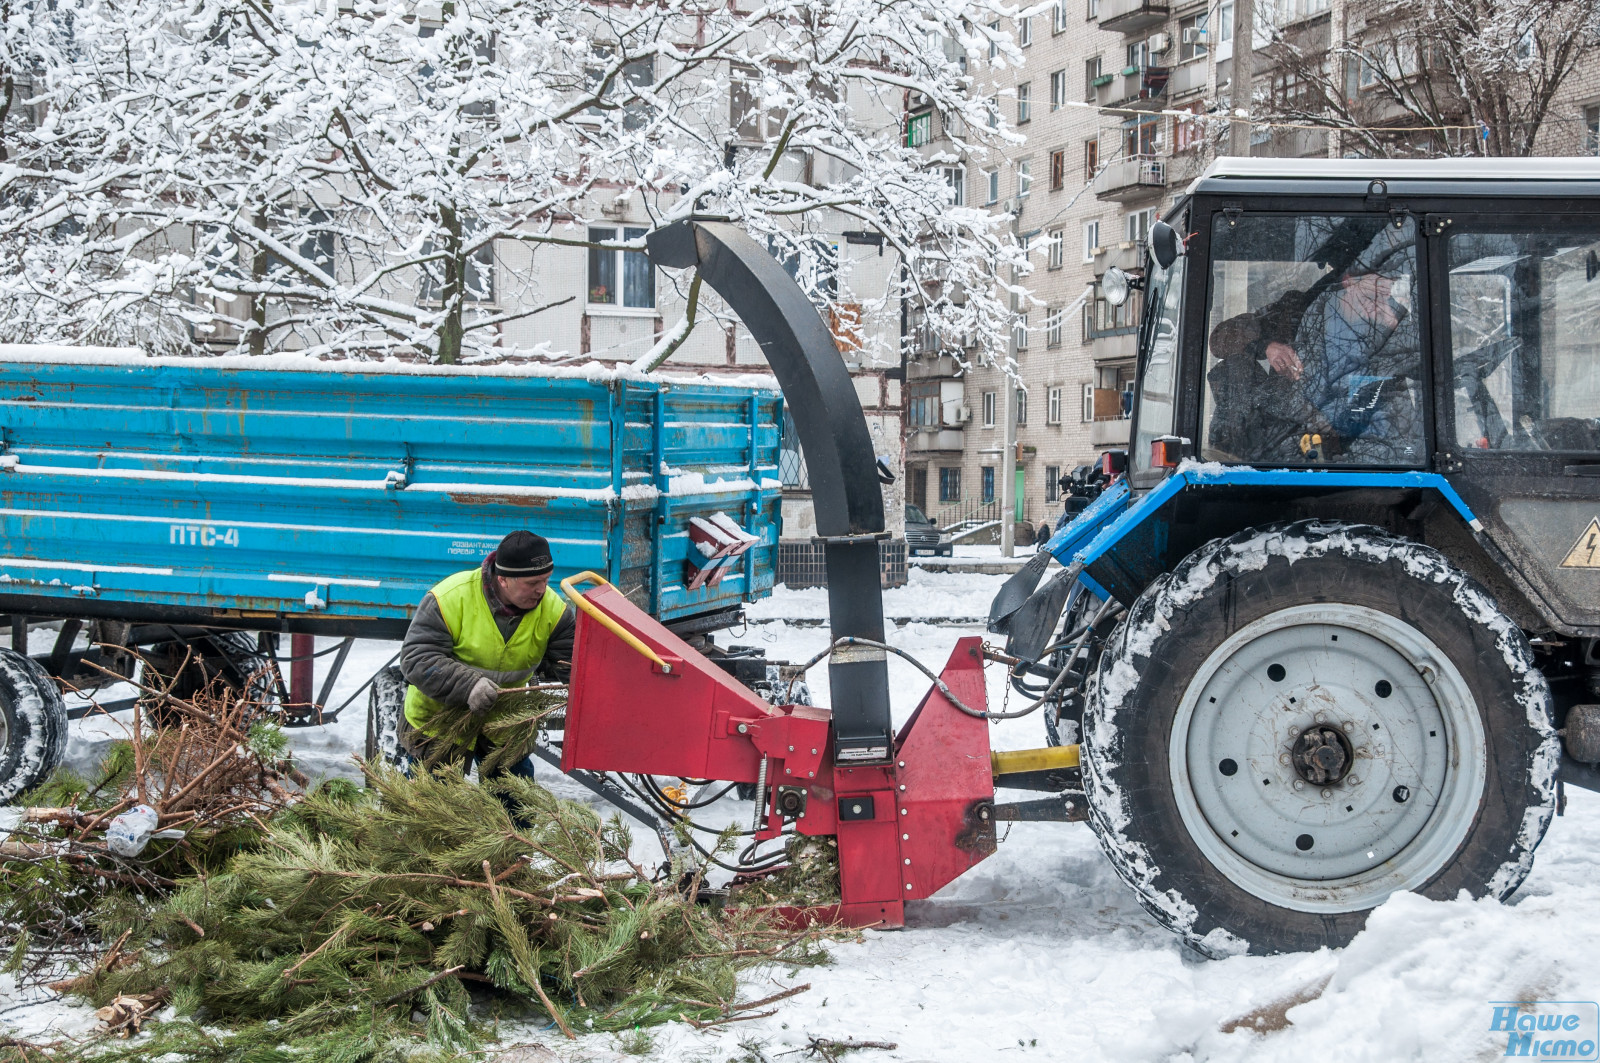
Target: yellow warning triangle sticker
{"x": 1585, "y": 553}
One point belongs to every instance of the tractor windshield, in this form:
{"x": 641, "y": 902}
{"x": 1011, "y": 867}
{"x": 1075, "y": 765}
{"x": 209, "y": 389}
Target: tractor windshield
{"x": 1312, "y": 350}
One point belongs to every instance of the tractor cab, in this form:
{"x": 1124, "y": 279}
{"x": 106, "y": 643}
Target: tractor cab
{"x": 1372, "y": 320}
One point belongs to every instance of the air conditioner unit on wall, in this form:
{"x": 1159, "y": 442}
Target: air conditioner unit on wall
{"x": 1195, "y": 35}
{"x": 963, "y": 414}
{"x": 1160, "y": 42}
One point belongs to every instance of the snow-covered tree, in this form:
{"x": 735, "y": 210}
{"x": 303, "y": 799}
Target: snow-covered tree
{"x": 1432, "y": 77}
{"x": 331, "y": 175}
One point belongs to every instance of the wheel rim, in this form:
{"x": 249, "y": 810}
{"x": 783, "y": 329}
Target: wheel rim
{"x": 1272, "y": 807}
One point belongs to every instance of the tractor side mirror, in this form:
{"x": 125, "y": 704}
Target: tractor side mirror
{"x": 1164, "y": 244}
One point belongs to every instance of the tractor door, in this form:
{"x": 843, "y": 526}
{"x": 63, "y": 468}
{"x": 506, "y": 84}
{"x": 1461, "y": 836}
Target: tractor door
{"x": 1517, "y": 301}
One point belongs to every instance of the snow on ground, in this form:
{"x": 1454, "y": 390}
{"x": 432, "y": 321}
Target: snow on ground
{"x": 1041, "y": 953}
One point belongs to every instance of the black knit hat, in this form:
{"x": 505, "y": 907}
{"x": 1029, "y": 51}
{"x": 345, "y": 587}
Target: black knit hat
{"x": 523, "y": 554}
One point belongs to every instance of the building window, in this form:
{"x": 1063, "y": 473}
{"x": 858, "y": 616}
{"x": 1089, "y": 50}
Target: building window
{"x": 1094, "y": 8}
{"x": 1058, "y": 170}
{"x": 1088, "y": 403}
{"x": 994, "y": 43}
{"x": 1022, "y": 406}
{"x": 1091, "y": 239}
{"x": 949, "y": 485}
{"x": 477, "y": 282}
{"x": 1053, "y": 248}
{"x": 991, "y": 181}
{"x": 1192, "y": 34}
{"x": 1091, "y": 159}
{"x": 1024, "y": 178}
{"x": 988, "y": 483}
{"x": 1138, "y": 55}
{"x": 1137, "y": 225}
{"x": 620, "y": 278}
{"x": 1052, "y": 483}
{"x": 923, "y": 411}
{"x": 749, "y": 121}
{"x": 1188, "y": 133}
{"x": 1020, "y": 327}
{"x": 1025, "y": 102}
{"x": 919, "y": 129}
{"x": 1091, "y": 76}
{"x": 994, "y": 112}
{"x": 1024, "y": 32}
{"x": 956, "y": 178}
{"x": 1591, "y": 130}
{"x": 1058, "y": 17}
{"x": 988, "y": 409}
{"x": 1139, "y": 136}
{"x": 1052, "y": 327}
{"x": 1058, "y": 90}
{"x": 1053, "y": 405}
{"x": 1225, "y": 22}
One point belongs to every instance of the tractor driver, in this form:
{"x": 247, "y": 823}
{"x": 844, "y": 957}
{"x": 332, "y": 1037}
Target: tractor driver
{"x": 1323, "y": 374}
{"x": 475, "y": 633}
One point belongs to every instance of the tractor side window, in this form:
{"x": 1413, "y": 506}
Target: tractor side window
{"x": 1525, "y": 350}
{"x": 1158, "y": 383}
{"x": 1312, "y": 350}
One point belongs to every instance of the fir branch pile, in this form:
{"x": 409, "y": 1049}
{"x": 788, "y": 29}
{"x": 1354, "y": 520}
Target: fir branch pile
{"x": 363, "y": 923}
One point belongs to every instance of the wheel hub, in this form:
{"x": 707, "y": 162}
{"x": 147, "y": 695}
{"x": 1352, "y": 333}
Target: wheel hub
{"x": 1321, "y": 755}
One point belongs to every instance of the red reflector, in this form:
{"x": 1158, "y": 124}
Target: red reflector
{"x": 1166, "y": 453}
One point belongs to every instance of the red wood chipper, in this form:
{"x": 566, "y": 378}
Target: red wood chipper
{"x": 911, "y": 810}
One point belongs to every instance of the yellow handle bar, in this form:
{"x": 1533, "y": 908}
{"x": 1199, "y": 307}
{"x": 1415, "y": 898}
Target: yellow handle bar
{"x": 568, "y": 586}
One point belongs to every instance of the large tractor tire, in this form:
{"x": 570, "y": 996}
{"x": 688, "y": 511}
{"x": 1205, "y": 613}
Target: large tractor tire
{"x": 1303, "y": 719}
{"x": 386, "y": 706}
{"x": 33, "y": 725}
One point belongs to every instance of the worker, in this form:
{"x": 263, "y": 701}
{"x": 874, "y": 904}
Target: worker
{"x": 475, "y": 633}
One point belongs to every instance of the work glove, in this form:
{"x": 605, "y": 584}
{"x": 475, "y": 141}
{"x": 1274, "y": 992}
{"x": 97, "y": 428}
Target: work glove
{"x": 482, "y": 696}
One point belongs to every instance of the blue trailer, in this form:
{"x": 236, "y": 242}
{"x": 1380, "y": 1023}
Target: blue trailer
{"x": 200, "y": 508}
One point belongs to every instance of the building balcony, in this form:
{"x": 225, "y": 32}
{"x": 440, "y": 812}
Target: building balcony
{"x": 1128, "y": 256}
{"x": 1117, "y": 345}
{"x": 921, "y": 440}
{"x": 1131, "y": 16}
{"x": 1187, "y": 78}
{"x": 932, "y": 367}
{"x": 1134, "y": 177}
{"x": 1112, "y": 432}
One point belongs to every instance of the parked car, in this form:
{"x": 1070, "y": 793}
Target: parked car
{"x": 923, "y": 535}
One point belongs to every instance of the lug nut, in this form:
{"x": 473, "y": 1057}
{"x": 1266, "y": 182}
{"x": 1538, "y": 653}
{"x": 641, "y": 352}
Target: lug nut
{"x": 1347, "y": 725}
{"x": 1327, "y": 793}
{"x": 1298, "y": 785}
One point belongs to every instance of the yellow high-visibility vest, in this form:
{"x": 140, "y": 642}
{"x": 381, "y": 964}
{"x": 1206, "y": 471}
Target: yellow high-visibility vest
{"x": 476, "y": 640}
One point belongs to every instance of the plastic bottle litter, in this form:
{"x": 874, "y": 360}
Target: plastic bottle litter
{"x": 130, "y": 832}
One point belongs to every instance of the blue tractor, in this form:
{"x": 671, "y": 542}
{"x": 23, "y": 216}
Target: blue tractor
{"x": 1329, "y": 630}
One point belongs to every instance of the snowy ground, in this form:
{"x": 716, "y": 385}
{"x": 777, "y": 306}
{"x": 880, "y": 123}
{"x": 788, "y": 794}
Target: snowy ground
{"x": 1041, "y": 953}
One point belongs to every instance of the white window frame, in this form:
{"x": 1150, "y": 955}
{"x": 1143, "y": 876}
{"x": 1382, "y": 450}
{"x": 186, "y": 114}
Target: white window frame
{"x": 992, "y": 186}
{"x": 956, "y": 178}
{"x": 1052, "y": 483}
{"x": 1591, "y": 129}
{"x": 1022, "y": 405}
{"x": 1024, "y": 178}
{"x": 994, "y": 45}
{"x": 1136, "y": 225}
{"x": 1054, "y": 244}
{"x": 1020, "y": 327}
{"x": 1088, "y": 403}
{"x": 1058, "y": 17}
{"x": 1025, "y": 31}
{"x": 1091, "y": 239}
{"x": 1025, "y": 103}
{"x": 988, "y": 408}
{"x": 1058, "y": 89}
{"x": 1053, "y": 405}
{"x": 1052, "y": 326}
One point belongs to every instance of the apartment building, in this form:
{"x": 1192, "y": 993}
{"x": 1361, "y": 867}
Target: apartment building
{"x": 1101, "y": 99}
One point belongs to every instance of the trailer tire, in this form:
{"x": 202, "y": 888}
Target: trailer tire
{"x": 1217, "y": 693}
{"x": 386, "y": 709}
{"x": 33, "y": 725}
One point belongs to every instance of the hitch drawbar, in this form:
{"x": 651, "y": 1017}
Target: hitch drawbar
{"x": 644, "y": 701}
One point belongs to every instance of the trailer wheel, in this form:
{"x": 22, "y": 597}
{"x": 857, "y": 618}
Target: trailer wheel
{"x": 1303, "y": 719}
{"x": 386, "y": 707}
{"x": 33, "y": 725}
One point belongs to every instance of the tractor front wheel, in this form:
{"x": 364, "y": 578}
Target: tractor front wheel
{"x": 1303, "y": 719}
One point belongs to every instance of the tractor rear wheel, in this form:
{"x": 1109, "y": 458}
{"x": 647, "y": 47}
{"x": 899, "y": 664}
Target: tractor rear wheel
{"x": 1303, "y": 719}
